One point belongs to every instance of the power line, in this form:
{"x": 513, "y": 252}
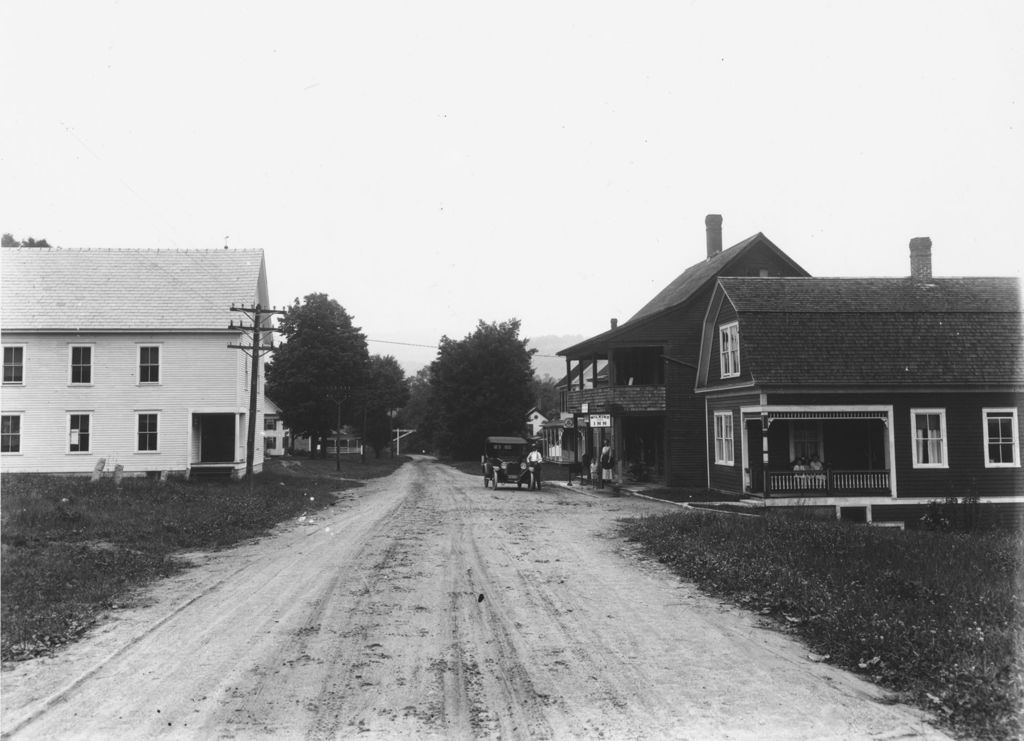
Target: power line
{"x": 435, "y": 347}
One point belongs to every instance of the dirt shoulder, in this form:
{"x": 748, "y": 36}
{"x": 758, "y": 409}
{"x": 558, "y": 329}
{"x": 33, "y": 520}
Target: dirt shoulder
{"x": 423, "y": 605}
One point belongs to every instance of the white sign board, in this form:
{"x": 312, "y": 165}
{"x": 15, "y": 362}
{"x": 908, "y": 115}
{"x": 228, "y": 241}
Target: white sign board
{"x": 584, "y": 407}
{"x": 600, "y": 420}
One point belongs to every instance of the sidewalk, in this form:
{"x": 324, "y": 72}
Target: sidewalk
{"x": 657, "y": 493}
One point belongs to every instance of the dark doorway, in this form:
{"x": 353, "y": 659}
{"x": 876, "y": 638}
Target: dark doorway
{"x": 643, "y": 446}
{"x": 217, "y": 435}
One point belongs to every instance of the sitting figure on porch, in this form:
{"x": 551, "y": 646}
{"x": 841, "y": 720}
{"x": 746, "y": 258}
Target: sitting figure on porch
{"x": 800, "y": 464}
{"x": 815, "y": 464}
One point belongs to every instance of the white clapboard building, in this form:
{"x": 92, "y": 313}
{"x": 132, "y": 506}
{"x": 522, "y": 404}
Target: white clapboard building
{"x": 122, "y": 355}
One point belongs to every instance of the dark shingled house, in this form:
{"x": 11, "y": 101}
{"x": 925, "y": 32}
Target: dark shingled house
{"x": 637, "y": 380}
{"x": 908, "y": 390}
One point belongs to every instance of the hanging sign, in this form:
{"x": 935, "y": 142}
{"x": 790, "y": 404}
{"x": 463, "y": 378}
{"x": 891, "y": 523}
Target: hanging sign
{"x": 600, "y": 420}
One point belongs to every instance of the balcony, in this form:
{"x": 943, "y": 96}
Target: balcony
{"x": 618, "y": 399}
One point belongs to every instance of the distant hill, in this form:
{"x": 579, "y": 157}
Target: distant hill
{"x": 548, "y": 345}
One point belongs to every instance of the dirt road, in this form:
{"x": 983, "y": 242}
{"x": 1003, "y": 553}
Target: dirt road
{"x": 425, "y": 606}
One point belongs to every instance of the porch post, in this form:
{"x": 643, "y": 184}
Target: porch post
{"x": 764, "y": 453}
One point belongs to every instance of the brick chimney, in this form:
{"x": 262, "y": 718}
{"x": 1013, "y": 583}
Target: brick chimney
{"x": 921, "y": 258}
{"x": 713, "y": 222}
{"x": 615, "y": 323}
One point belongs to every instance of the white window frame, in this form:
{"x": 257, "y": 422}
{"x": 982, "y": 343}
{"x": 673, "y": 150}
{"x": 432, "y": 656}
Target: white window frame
{"x": 138, "y": 432}
{"x": 729, "y": 357}
{"x": 943, "y": 438}
{"x": 721, "y": 441}
{"x": 159, "y": 364}
{"x": 21, "y": 432}
{"x": 4, "y": 360}
{"x": 90, "y": 433}
{"x": 1012, "y": 413}
{"x": 92, "y": 364}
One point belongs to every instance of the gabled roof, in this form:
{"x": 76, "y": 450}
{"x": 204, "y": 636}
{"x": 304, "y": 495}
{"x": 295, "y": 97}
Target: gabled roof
{"x": 685, "y": 287}
{"x": 166, "y": 290}
{"x": 879, "y": 331}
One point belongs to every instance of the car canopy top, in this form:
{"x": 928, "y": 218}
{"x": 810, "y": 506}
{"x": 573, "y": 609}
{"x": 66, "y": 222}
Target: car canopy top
{"x": 501, "y": 440}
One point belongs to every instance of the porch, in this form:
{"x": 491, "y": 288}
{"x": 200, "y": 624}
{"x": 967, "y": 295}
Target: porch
{"x": 852, "y": 445}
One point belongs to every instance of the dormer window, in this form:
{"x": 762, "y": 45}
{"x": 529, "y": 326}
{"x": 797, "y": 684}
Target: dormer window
{"x": 729, "y": 344}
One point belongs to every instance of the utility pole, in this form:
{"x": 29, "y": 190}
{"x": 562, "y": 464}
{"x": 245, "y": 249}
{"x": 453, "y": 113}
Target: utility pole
{"x": 399, "y": 434}
{"x": 255, "y": 330}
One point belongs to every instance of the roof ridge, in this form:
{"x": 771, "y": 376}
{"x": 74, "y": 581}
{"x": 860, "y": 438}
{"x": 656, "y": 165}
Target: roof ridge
{"x": 134, "y": 249}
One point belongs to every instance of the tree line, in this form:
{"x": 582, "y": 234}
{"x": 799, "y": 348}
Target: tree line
{"x": 323, "y": 378}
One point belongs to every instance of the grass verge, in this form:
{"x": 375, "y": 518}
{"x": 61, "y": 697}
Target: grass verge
{"x": 72, "y": 549}
{"x": 936, "y": 617}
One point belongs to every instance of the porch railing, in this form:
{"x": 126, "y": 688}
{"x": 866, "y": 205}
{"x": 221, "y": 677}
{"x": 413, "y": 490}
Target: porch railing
{"x": 828, "y": 482}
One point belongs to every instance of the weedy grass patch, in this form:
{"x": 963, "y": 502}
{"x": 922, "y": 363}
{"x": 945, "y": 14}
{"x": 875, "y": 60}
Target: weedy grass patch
{"x": 934, "y": 616}
{"x": 73, "y": 548}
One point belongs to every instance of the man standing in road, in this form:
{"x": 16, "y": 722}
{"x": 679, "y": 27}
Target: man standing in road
{"x": 534, "y": 459}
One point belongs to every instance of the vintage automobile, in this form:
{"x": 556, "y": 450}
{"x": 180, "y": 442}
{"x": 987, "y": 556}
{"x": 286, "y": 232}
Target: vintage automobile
{"x": 504, "y": 461}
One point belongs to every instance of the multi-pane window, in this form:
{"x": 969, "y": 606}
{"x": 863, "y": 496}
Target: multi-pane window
{"x": 270, "y": 423}
{"x": 78, "y": 433}
{"x": 929, "y": 441}
{"x": 1002, "y": 442}
{"x": 81, "y": 364}
{"x": 806, "y": 435}
{"x": 149, "y": 364}
{"x": 148, "y": 423}
{"x": 729, "y": 344}
{"x": 724, "y": 454}
{"x": 10, "y": 433}
{"x": 14, "y": 364}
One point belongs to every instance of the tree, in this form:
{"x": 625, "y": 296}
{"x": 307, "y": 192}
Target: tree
{"x": 480, "y": 386}
{"x": 8, "y": 240}
{"x": 318, "y": 369}
{"x": 546, "y": 396}
{"x": 386, "y": 391}
{"x": 415, "y": 414}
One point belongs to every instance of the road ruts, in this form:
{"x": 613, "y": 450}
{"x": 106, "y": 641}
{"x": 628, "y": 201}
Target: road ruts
{"x": 425, "y": 606}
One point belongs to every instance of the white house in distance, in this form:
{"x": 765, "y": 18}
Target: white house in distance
{"x": 535, "y": 421}
{"x": 122, "y": 355}
{"x": 275, "y": 434}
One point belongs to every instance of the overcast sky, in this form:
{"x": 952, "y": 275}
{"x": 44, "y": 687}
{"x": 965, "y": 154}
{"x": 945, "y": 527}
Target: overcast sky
{"x": 430, "y": 164}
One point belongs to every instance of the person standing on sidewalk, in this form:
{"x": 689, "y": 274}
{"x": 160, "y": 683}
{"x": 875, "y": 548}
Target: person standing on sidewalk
{"x": 607, "y": 463}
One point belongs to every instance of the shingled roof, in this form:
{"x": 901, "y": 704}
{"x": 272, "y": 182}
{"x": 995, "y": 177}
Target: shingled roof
{"x": 685, "y": 286}
{"x": 879, "y": 331}
{"x": 164, "y": 290}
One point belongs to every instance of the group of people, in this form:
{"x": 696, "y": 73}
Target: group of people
{"x": 599, "y": 467}
{"x": 803, "y": 464}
